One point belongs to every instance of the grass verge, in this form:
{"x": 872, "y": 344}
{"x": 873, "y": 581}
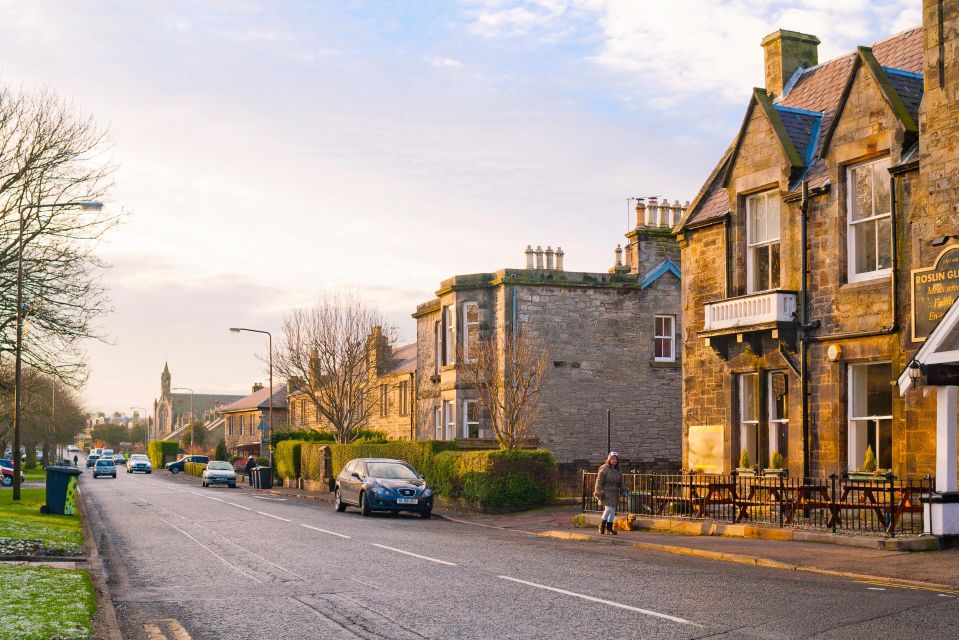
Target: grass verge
{"x": 22, "y": 520}
{"x": 37, "y": 603}
{"x": 38, "y": 474}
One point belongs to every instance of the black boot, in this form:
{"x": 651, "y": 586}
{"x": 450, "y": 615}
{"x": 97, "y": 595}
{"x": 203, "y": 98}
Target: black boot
{"x": 610, "y": 530}
{"x": 602, "y": 527}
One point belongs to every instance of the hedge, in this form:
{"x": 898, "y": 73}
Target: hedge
{"x": 286, "y": 458}
{"x": 420, "y": 455}
{"x": 312, "y": 465}
{"x": 194, "y": 468}
{"x": 159, "y": 450}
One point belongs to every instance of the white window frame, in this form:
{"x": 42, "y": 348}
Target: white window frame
{"x": 669, "y": 337}
{"x": 750, "y": 444}
{"x": 449, "y": 334}
{"x": 772, "y": 422}
{"x": 384, "y": 400}
{"x": 850, "y": 225}
{"x": 466, "y": 420}
{"x": 438, "y": 422}
{"x": 230, "y": 420}
{"x": 859, "y": 426}
{"x": 404, "y": 394}
{"x": 467, "y": 324}
{"x": 438, "y": 344}
{"x": 449, "y": 420}
{"x": 770, "y": 196}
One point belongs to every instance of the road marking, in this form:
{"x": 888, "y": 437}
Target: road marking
{"x": 875, "y": 589}
{"x": 153, "y": 631}
{"x": 233, "y": 504}
{"x": 415, "y": 555}
{"x": 332, "y": 533}
{"x": 647, "y": 612}
{"x": 179, "y": 633}
{"x": 270, "y": 515}
{"x": 252, "y": 576}
{"x": 217, "y": 499}
{"x": 945, "y": 595}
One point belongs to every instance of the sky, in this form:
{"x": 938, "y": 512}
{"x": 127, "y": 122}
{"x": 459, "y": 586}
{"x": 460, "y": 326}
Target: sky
{"x": 268, "y": 152}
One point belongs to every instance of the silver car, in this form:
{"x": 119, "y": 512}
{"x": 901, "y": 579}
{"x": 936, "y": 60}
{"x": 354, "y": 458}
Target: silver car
{"x": 139, "y": 462}
{"x": 219, "y": 472}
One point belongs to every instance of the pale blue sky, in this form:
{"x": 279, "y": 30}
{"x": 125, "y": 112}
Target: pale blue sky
{"x": 268, "y": 151}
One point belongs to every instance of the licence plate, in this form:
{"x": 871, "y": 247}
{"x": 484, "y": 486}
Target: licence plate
{"x": 407, "y": 501}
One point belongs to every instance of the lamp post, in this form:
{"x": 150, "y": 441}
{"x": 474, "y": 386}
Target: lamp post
{"x": 269, "y": 435}
{"x": 146, "y": 427}
{"x": 191, "y": 409}
{"x": 18, "y": 351}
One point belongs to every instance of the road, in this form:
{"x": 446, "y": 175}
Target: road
{"x": 187, "y": 562}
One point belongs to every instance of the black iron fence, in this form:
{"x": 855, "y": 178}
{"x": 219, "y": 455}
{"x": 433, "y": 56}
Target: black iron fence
{"x": 885, "y": 506}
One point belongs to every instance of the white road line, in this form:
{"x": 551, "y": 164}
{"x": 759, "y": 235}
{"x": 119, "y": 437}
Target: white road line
{"x": 647, "y": 612}
{"x": 875, "y": 588}
{"x": 415, "y": 555}
{"x": 233, "y": 504}
{"x": 332, "y": 533}
{"x": 217, "y": 499}
{"x": 263, "y": 513}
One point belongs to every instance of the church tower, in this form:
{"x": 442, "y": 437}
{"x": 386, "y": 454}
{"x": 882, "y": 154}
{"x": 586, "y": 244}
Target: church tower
{"x": 165, "y": 381}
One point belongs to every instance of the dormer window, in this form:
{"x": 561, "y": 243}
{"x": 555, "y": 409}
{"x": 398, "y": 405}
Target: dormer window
{"x": 869, "y": 226}
{"x": 762, "y": 241}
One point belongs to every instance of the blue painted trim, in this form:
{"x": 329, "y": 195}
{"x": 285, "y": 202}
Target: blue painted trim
{"x": 804, "y": 112}
{"x": 902, "y": 72}
{"x": 813, "y": 142}
{"x": 666, "y": 266}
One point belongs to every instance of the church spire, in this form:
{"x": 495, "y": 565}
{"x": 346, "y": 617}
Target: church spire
{"x": 165, "y": 380}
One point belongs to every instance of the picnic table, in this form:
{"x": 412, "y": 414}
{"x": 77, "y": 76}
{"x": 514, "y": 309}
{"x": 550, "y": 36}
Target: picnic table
{"x": 700, "y": 492}
{"x": 879, "y": 498}
{"x": 755, "y": 490}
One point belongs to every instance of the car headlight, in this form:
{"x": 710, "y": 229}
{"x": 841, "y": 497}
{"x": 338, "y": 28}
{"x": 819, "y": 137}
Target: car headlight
{"x": 380, "y": 490}
{"x": 427, "y": 492}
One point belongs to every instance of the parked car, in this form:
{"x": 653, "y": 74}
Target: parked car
{"x": 381, "y": 484}
{"x": 92, "y": 460}
{"x": 104, "y": 467}
{"x": 6, "y": 468}
{"x": 72, "y": 449}
{"x": 177, "y": 467}
{"x": 219, "y": 472}
{"x": 139, "y": 462}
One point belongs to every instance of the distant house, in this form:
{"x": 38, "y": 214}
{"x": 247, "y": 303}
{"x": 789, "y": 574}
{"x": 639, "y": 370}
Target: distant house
{"x": 241, "y": 419}
{"x": 173, "y": 411}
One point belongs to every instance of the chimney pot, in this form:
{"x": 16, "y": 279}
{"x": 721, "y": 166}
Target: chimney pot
{"x": 559, "y": 258}
{"x": 549, "y": 258}
{"x": 783, "y": 53}
{"x": 539, "y": 257}
{"x": 640, "y": 212}
{"x": 529, "y": 256}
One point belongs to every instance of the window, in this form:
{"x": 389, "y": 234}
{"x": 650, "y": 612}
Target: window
{"x": 869, "y": 232}
{"x": 292, "y": 412}
{"x": 438, "y": 422}
{"x": 242, "y": 424}
{"x": 778, "y": 404}
{"x": 384, "y": 400}
{"x": 449, "y": 335}
{"x": 749, "y": 416}
{"x": 230, "y": 423}
{"x": 437, "y": 347}
{"x": 762, "y": 241}
{"x": 449, "y": 420}
{"x": 404, "y": 398}
{"x": 471, "y": 419}
{"x": 664, "y": 339}
{"x": 870, "y": 414}
{"x": 471, "y": 330}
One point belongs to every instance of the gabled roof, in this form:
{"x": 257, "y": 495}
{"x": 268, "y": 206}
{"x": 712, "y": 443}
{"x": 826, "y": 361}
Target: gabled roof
{"x": 935, "y": 350}
{"x": 260, "y": 400}
{"x": 661, "y": 269}
{"x": 822, "y": 90}
{"x": 762, "y": 100}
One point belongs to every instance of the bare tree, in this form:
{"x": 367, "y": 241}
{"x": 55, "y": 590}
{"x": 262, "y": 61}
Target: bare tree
{"x": 327, "y": 352}
{"x": 49, "y": 154}
{"x": 507, "y": 375}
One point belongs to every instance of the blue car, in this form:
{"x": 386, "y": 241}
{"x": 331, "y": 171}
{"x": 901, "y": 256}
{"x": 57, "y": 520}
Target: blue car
{"x": 381, "y": 484}
{"x": 179, "y": 465}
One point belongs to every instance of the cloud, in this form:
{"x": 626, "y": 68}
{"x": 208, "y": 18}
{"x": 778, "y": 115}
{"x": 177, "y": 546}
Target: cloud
{"x": 450, "y": 63}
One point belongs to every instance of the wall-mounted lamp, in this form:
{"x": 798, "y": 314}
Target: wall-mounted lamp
{"x": 915, "y": 371}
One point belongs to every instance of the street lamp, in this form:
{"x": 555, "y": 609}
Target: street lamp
{"x": 146, "y": 427}
{"x": 269, "y": 434}
{"x": 18, "y": 366}
{"x": 191, "y": 409}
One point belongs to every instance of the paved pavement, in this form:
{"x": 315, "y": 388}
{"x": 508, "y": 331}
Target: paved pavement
{"x": 183, "y": 561}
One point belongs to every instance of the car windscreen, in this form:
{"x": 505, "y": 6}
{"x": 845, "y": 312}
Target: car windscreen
{"x": 139, "y": 457}
{"x": 390, "y": 471}
{"x": 220, "y": 466}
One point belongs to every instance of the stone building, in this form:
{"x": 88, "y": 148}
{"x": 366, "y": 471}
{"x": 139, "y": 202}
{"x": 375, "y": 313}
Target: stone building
{"x": 242, "y": 419}
{"x": 803, "y": 255}
{"x": 173, "y": 411}
{"x": 392, "y": 410}
{"x": 611, "y": 340}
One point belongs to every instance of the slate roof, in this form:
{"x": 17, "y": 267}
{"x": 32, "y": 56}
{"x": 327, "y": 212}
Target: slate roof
{"x": 260, "y": 400}
{"x": 820, "y": 90}
{"x": 404, "y": 359}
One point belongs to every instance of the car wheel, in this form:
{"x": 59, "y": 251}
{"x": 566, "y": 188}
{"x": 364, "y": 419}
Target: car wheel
{"x": 338, "y": 501}
{"x": 114, "y": 476}
{"x": 174, "y": 470}
{"x": 7, "y": 481}
{"x": 364, "y": 505}
{"x": 149, "y": 472}
{"x": 231, "y": 486}
{"x": 426, "y": 514}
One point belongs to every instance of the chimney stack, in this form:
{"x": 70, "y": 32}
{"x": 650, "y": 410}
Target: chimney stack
{"x": 784, "y": 52}
{"x": 257, "y": 386}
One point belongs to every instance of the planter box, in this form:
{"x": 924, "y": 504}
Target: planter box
{"x": 748, "y": 472}
{"x": 775, "y": 473}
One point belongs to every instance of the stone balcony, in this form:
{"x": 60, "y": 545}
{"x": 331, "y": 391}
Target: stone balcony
{"x": 750, "y": 312}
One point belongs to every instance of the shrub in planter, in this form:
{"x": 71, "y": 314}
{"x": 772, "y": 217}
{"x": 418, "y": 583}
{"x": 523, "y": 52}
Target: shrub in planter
{"x": 159, "y": 450}
{"x": 286, "y": 459}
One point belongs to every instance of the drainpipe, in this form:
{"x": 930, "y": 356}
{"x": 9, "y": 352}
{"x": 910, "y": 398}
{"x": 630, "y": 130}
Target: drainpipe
{"x": 803, "y": 328}
{"x": 412, "y": 400}
{"x": 727, "y": 236}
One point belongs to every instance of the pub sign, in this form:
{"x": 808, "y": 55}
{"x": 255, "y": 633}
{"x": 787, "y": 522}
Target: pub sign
{"x": 934, "y": 289}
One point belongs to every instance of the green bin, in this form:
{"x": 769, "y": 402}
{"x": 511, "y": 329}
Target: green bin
{"x": 61, "y": 490}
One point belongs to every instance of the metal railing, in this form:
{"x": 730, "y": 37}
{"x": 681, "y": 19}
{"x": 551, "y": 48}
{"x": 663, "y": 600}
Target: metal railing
{"x": 883, "y": 506}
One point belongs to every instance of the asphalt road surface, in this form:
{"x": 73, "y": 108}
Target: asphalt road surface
{"x": 187, "y": 562}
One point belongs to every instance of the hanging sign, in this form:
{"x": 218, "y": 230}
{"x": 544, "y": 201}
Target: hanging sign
{"x": 934, "y": 289}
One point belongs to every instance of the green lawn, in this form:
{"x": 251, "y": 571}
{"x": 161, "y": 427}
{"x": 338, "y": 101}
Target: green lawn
{"x": 22, "y": 520}
{"x": 38, "y": 474}
{"x": 37, "y": 603}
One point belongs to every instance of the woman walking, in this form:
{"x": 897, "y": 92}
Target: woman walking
{"x": 609, "y": 486}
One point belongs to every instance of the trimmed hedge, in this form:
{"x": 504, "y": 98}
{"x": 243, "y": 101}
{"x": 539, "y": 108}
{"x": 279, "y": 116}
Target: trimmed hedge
{"x": 194, "y": 468}
{"x": 312, "y": 463}
{"x": 286, "y": 458}
{"x": 159, "y": 450}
